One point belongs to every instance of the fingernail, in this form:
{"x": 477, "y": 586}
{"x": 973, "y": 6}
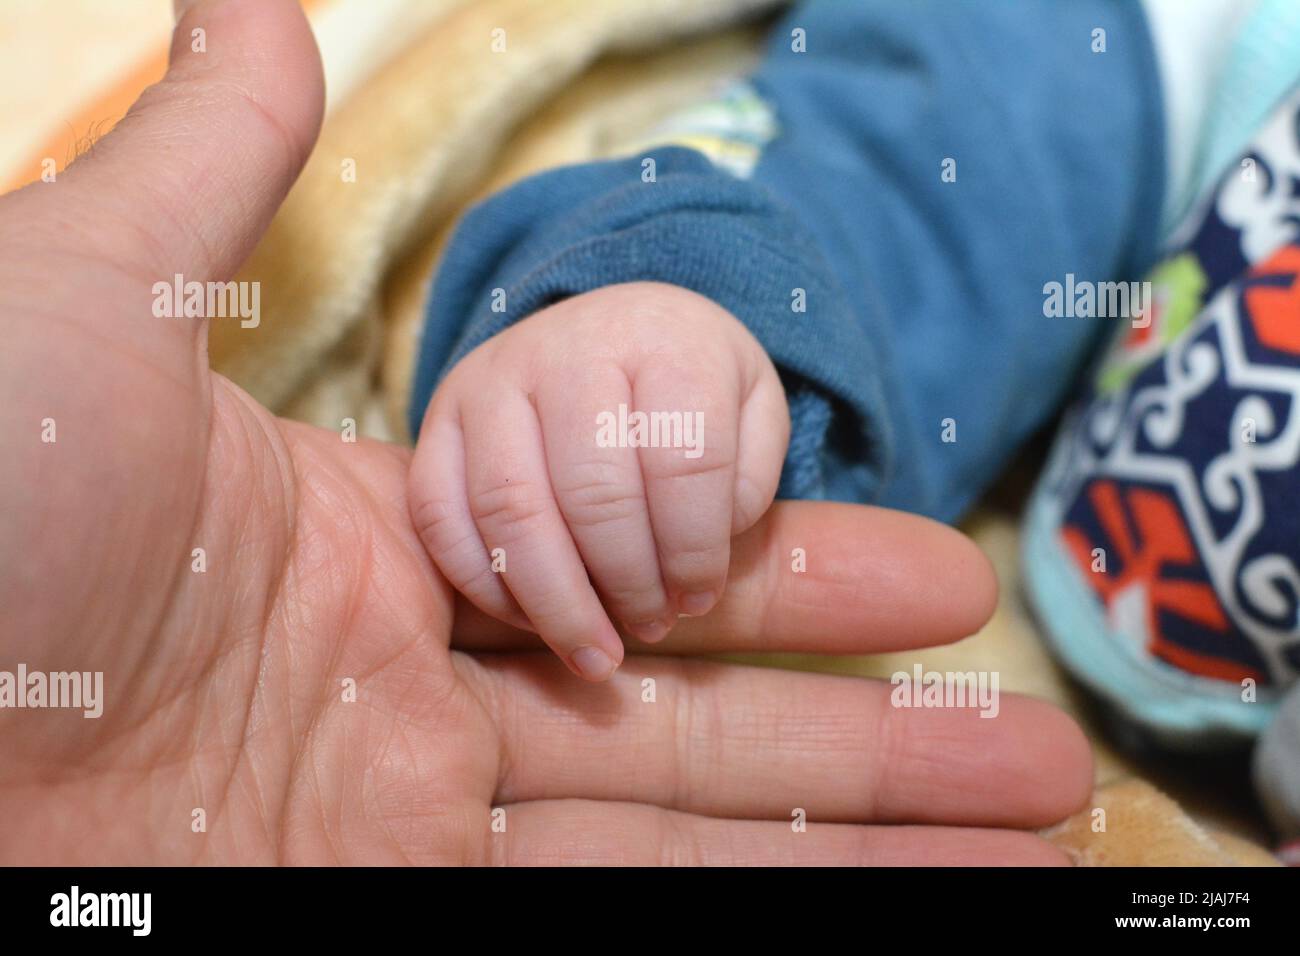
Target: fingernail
{"x": 696, "y": 603}
{"x": 651, "y": 632}
{"x": 592, "y": 663}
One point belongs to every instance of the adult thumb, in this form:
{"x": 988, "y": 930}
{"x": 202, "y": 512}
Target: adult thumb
{"x": 189, "y": 179}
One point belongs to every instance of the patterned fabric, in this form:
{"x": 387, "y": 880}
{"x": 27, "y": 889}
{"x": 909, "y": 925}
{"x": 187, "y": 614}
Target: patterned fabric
{"x": 1173, "y": 489}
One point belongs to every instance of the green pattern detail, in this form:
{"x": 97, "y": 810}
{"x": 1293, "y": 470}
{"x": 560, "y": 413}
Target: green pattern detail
{"x": 1179, "y": 285}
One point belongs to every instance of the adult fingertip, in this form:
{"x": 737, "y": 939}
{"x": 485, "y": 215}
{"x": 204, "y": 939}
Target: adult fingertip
{"x": 206, "y": 155}
{"x": 947, "y": 570}
{"x": 233, "y": 41}
{"x": 972, "y": 572}
{"x": 1058, "y": 755}
{"x": 945, "y": 584}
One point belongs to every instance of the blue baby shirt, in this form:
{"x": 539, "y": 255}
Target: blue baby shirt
{"x": 929, "y": 168}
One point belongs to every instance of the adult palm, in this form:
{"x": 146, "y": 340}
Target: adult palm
{"x": 229, "y": 690}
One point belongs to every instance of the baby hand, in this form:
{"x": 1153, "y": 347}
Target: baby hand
{"x": 591, "y": 464}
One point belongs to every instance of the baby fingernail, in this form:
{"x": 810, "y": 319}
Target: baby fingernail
{"x": 651, "y": 632}
{"x": 696, "y": 603}
{"x": 592, "y": 663}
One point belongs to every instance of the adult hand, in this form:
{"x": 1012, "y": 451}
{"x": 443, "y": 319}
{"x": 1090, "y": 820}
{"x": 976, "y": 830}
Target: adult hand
{"x": 224, "y": 688}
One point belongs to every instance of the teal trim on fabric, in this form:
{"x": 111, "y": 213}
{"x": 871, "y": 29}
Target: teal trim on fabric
{"x": 1179, "y": 710}
{"x": 1262, "y": 68}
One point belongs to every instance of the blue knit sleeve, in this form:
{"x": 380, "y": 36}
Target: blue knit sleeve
{"x": 933, "y": 165}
